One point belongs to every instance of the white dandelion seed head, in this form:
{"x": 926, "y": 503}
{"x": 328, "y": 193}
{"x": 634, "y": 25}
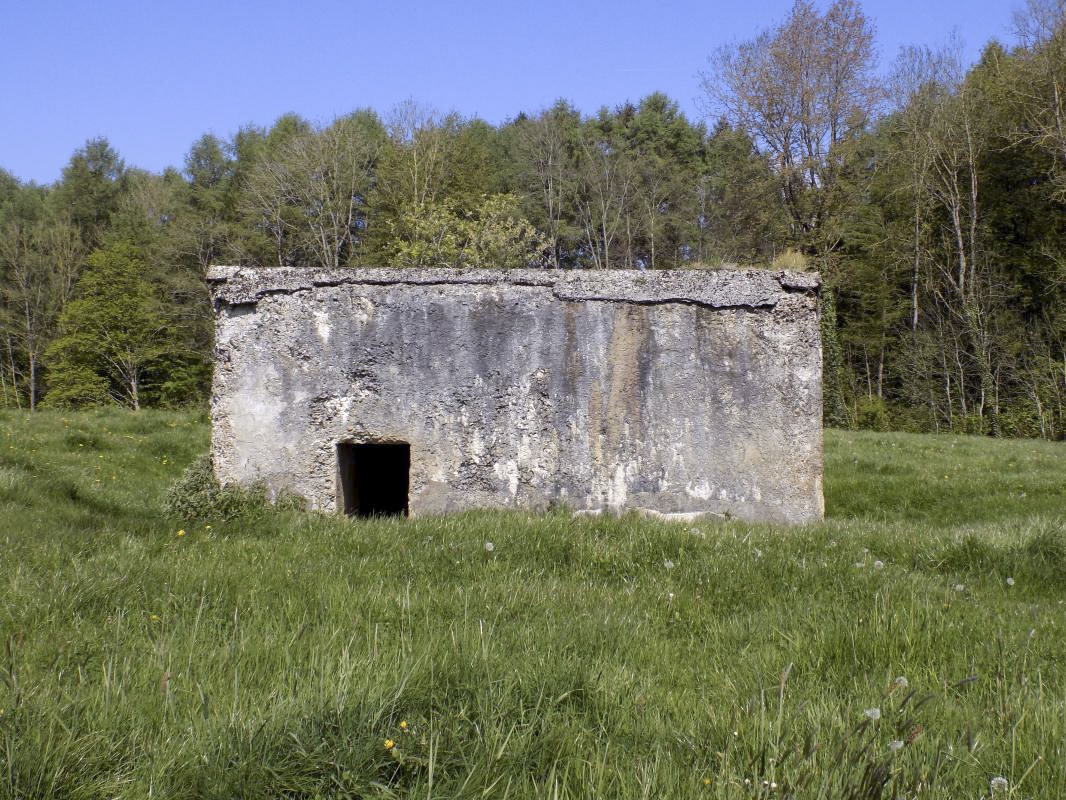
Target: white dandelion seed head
{"x": 489, "y": 547}
{"x": 999, "y": 784}
{"x": 900, "y": 682}
{"x": 895, "y": 744}
{"x": 1010, "y": 581}
{"x": 879, "y": 565}
{"x": 872, "y": 714}
{"x": 668, "y": 564}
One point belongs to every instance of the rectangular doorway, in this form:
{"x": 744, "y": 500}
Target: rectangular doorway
{"x": 373, "y": 479}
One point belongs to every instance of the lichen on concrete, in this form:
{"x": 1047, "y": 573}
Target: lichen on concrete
{"x": 676, "y": 392}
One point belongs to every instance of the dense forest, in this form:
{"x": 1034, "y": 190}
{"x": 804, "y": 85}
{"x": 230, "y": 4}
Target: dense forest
{"x": 930, "y": 196}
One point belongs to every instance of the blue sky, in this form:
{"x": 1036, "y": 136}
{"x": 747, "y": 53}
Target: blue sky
{"x": 153, "y": 76}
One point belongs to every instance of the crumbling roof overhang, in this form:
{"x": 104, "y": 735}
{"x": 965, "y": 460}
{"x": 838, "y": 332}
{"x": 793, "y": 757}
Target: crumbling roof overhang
{"x": 748, "y": 288}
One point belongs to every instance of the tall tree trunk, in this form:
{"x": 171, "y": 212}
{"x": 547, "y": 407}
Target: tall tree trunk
{"x": 14, "y": 375}
{"x": 3, "y": 386}
{"x": 947, "y": 384}
{"x": 984, "y": 369}
{"x": 33, "y": 381}
{"x": 881, "y": 373}
{"x": 917, "y": 265}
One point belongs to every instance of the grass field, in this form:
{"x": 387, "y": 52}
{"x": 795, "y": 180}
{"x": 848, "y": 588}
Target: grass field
{"x": 911, "y": 646}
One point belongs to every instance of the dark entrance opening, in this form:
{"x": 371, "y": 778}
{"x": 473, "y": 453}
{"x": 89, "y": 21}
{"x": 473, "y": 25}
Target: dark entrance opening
{"x": 373, "y": 478}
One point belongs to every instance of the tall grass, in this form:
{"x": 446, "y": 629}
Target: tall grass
{"x": 509, "y": 655}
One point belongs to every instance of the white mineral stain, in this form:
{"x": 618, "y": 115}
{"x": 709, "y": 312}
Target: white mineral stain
{"x": 362, "y": 309}
{"x": 508, "y": 471}
{"x": 322, "y": 326}
{"x": 701, "y": 490}
{"x": 525, "y": 449}
{"x": 340, "y": 406}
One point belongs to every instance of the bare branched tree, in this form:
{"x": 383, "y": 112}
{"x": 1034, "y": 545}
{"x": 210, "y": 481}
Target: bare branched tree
{"x": 1041, "y": 86}
{"x": 545, "y": 143}
{"x": 39, "y": 261}
{"x": 919, "y": 80}
{"x": 312, "y": 194}
{"x": 801, "y": 90}
{"x": 605, "y": 182}
{"x": 423, "y": 138}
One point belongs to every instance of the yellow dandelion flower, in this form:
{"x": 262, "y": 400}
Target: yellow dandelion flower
{"x": 403, "y": 724}
{"x": 706, "y": 781}
{"x": 154, "y": 618}
{"x": 181, "y": 532}
{"x": 389, "y": 744}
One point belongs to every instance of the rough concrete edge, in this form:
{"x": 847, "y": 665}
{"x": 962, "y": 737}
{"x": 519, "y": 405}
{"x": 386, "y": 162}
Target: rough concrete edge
{"x": 669, "y": 516}
{"x": 752, "y": 288}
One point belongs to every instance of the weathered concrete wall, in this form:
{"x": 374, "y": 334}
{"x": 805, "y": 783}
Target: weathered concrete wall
{"x": 677, "y": 392}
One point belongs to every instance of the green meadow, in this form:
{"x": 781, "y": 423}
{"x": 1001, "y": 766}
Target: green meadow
{"x": 913, "y": 645}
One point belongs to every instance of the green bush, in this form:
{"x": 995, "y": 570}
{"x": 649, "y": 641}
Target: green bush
{"x": 972, "y": 423}
{"x": 1020, "y": 422}
{"x": 791, "y": 259}
{"x": 76, "y": 387}
{"x": 871, "y": 414}
{"x": 198, "y": 495}
{"x": 911, "y": 419}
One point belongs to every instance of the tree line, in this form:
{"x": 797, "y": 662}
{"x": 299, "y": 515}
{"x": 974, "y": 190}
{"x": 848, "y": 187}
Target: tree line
{"x": 931, "y": 198}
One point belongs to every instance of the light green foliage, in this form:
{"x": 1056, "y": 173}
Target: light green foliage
{"x": 791, "y": 259}
{"x": 493, "y": 235}
{"x": 273, "y": 654}
{"x": 116, "y": 338}
{"x": 431, "y": 236}
{"x": 500, "y": 236}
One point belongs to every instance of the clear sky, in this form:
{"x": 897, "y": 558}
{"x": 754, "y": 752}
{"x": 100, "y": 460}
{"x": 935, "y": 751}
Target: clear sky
{"x": 153, "y": 75}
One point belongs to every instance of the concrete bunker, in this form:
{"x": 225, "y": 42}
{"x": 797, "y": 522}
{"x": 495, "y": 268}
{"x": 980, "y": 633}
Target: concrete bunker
{"x": 381, "y": 391}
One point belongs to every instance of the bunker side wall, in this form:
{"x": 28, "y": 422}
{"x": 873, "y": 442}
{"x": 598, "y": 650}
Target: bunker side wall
{"x": 519, "y": 392}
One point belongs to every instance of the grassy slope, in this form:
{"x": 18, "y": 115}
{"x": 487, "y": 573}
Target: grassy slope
{"x": 272, "y": 656}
